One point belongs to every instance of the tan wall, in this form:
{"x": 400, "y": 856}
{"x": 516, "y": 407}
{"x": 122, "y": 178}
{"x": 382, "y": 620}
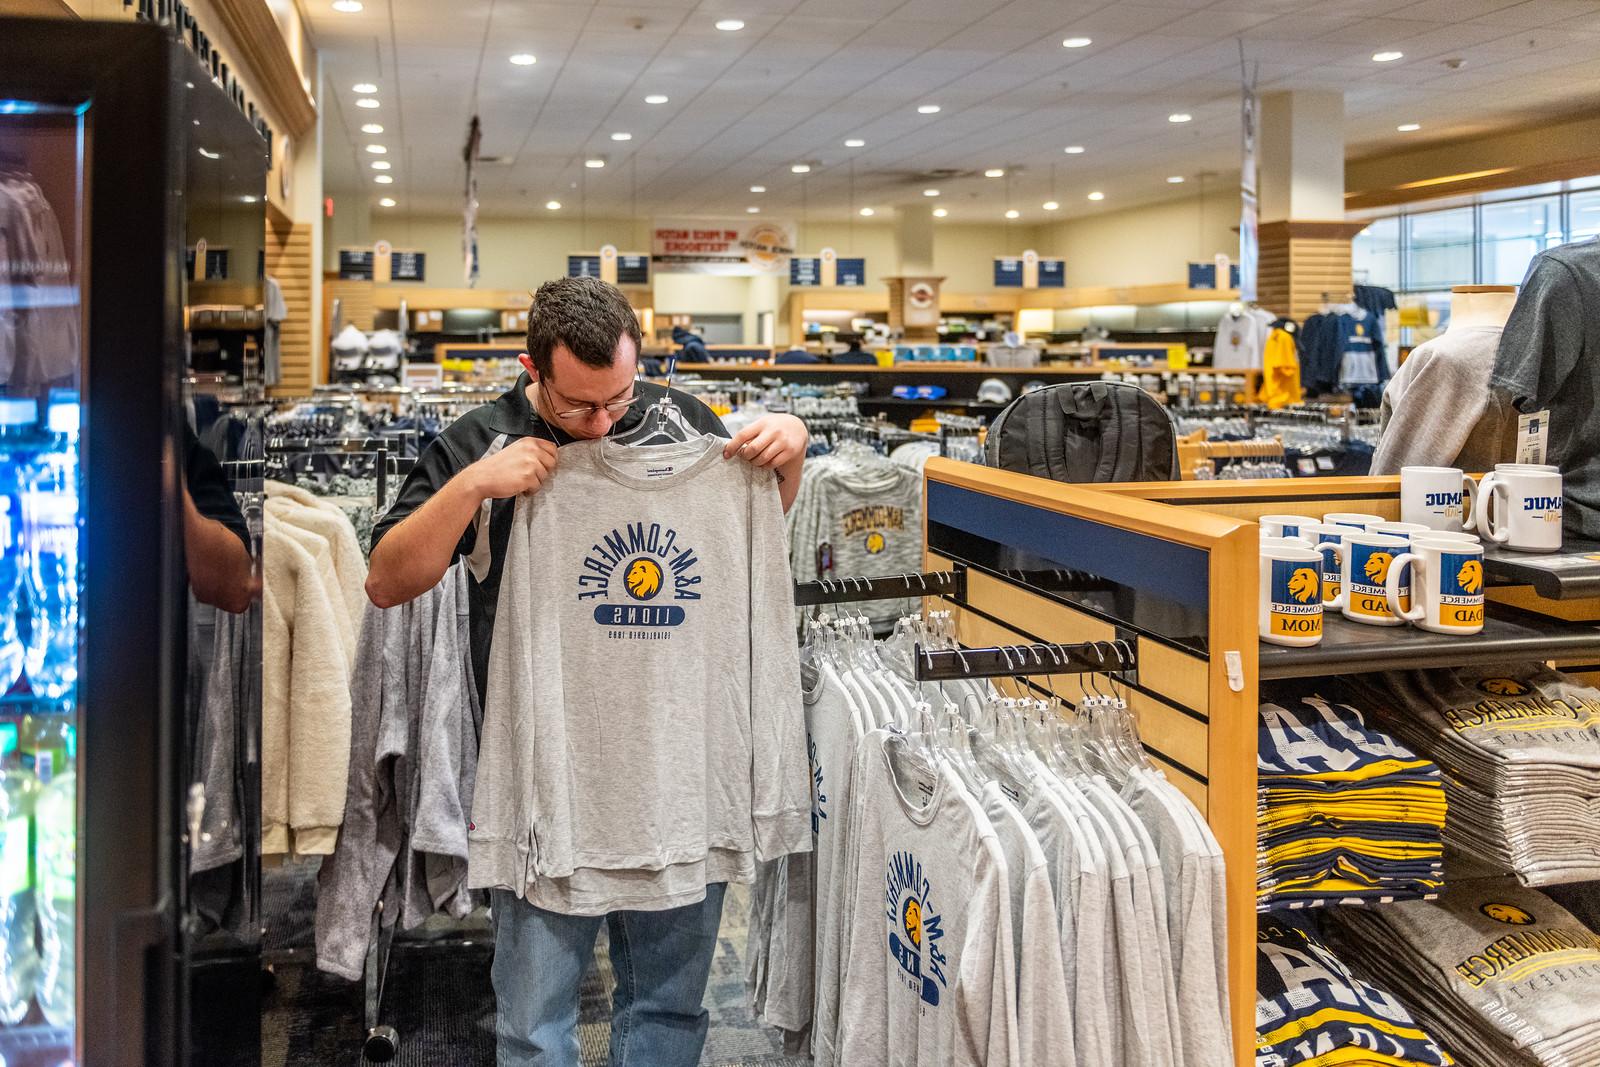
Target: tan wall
{"x": 1148, "y": 245}
{"x": 1574, "y": 141}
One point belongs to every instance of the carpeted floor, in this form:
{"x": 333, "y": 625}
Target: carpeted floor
{"x": 439, "y": 999}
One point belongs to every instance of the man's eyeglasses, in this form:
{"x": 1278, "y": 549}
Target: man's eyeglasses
{"x": 615, "y": 407}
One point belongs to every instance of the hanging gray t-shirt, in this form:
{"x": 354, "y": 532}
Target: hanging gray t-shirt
{"x": 642, "y": 730}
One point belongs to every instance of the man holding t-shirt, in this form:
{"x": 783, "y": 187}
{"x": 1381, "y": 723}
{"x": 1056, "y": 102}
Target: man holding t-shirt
{"x": 579, "y": 384}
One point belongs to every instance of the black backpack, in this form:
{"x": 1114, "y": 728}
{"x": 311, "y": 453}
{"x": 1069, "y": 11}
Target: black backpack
{"x": 1086, "y": 432}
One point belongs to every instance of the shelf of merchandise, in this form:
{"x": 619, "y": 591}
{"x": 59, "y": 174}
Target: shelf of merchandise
{"x": 1174, "y": 572}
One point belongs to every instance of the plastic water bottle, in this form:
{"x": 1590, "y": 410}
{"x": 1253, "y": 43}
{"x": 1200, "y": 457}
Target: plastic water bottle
{"x": 56, "y": 880}
{"x": 17, "y": 444}
{"x": 50, "y": 531}
{"x": 19, "y": 958}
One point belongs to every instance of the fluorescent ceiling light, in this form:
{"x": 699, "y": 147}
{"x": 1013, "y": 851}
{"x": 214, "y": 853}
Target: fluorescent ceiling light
{"x": 383, "y": 179}
{"x": 928, "y": 109}
{"x": 867, "y": 212}
{"x": 940, "y": 212}
{"x": 364, "y": 88}
{"x": 1013, "y": 214}
{"x": 758, "y": 188}
{"x": 552, "y": 205}
{"x": 1181, "y": 116}
{"x": 620, "y": 136}
{"x": 1077, "y": 42}
{"x": 1387, "y": 57}
{"x": 380, "y": 164}
{"x": 377, "y": 149}
{"x": 930, "y": 192}
{"x": 730, "y": 25}
{"x": 1051, "y": 205}
{"x": 1409, "y": 127}
{"x": 753, "y": 210}
{"x": 655, "y": 98}
{"x": 249, "y": 199}
{"x": 995, "y": 172}
{"x": 594, "y": 164}
{"x": 801, "y": 168}
{"x": 387, "y": 201}
{"x": 1176, "y": 179}
{"x": 1073, "y": 150}
{"x": 855, "y": 142}
{"x": 372, "y": 127}
{"x": 348, "y": 7}
{"x": 524, "y": 59}
{"x": 367, "y": 102}
{"x": 1097, "y": 196}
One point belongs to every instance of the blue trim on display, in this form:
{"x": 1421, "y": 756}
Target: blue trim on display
{"x": 1178, "y": 573}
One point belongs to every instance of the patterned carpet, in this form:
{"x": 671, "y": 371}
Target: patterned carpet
{"x": 439, "y": 999}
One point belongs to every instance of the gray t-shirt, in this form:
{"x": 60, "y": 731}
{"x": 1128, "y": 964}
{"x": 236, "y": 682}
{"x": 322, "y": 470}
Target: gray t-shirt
{"x": 1438, "y": 409}
{"x": 604, "y": 774}
{"x": 858, "y": 517}
{"x": 929, "y": 979}
{"x": 1549, "y": 359}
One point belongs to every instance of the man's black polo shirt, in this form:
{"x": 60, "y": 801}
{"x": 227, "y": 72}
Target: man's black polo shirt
{"x": 466, "y": 441}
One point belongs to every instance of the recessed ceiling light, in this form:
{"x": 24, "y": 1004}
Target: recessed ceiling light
{"x": 1097, "y": 196}
{"x": 1073, "y": 150}
{"x": 348, "y": 7}
{"x": 1077, "y": 42}
{"x": 1387, "y": 57}
{"x": 387, "y": 201}
{"x": 524, "y": 59}
{"x": 1013, "y": 214}
{"x": 655, "y": 98}
{"x": 372, "y": 127}
{"x": 552, "y": 205}
{"x": 800, "y": 168}
{"x": 1409, "y": 127}
{"x": 928, "y": 109}
{"x": 930, "y": 192}
{"x": 249, "y": 199}
{"x": 620, "y": 136}
{"x": 1181, "y": 116}
{"x": 383, "y": 179}
{"x": 380, "y": 164}
{"x": 730, "y": 25}
{"x": 367, "y": 102}
{"x": 995, "y": 172}
{"x": 758, "y": 188}
{"x": 594, "y": 164}
{"x": 377, "y": 149}
{"x": 363, "y": 88}
{"x": 1051, "y": 205}
{"x": 867, "y": 213}
{"x": 855, "y": 142}
{"x": 1176, "y": 179}
{"x": 752, "y": 209}
{"x": 940, "y": 212}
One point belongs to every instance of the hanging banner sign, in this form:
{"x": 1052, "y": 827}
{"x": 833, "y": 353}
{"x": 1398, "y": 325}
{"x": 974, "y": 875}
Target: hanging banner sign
{"x": 609, "y": 265}
{"x": 827, "y": 270}
{"x": 408, "y": 266}
{"x": 355, "y": 264}
{"x": 583, "y": 265}
{"x": 1249, "y": 249}
{"x": 1029, "y": 271}
{"x": 723, "y": 246}
{"x": 1204, "y": 276}
{"x": 633, "y": 269}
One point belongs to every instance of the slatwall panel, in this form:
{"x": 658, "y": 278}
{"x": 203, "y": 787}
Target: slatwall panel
{"x": 1295, "y": 272}
{"x": 289, "y": 261}
{"x": 356, "y": 301}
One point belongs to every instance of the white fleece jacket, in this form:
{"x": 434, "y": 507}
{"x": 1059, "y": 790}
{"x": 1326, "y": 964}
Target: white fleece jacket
{"x": 311, "y": 512}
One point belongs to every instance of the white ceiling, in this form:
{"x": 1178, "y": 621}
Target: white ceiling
{"x": 804, "y": 75}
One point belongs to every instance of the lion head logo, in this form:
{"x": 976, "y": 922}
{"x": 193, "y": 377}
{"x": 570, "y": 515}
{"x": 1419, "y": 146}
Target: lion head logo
{"x": 1471, "y": 576}
{"x": 1509, "y": 914}
{"x": 1303, "y": 584}
{"x": 1377, "y": 567}
{"x": 875, "y": 542}
{"x": 1503, "y": 687}
{"x": 643, "y": 579}
{"x": 911, "y": 919}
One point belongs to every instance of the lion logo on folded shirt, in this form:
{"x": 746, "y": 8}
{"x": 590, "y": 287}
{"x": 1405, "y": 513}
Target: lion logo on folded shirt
{"x": 1377, "y": 566}
{"x": 1509, "y": 914}
{"x": 1503, "y": 687}
{"x": 643, "y": 580}
{"x": 1471, "y": 576}
{"x": 1303, "y": 584}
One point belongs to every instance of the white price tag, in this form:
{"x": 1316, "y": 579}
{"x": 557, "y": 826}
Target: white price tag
{"x": 1532, "y": 432}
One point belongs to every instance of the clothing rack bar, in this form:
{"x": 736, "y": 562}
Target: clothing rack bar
{"x": 887, "y": 587}
{"x": 1013, "y": 661}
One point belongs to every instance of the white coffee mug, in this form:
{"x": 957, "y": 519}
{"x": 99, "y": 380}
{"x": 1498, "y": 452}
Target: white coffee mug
{"x": 1285, "y": 525}
{"x": 1358, "y": 520}
{"x": 1440, "y": 498}
{"x": 1331, "y": 535}
{"x": 1295, "y": 542}
{"x": 1290, "y": 596}
{"x": 1399, "y": 529}
{"x": 1368, "y": 558}
{"x": 1446, "y": 585}
{"x": 1520, "y": 507}
{"x": 1452, "y": 535}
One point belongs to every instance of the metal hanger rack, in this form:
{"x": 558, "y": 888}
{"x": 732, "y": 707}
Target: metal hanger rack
{"x": 1088, "y": 657}
{"x": 888, "y": 587}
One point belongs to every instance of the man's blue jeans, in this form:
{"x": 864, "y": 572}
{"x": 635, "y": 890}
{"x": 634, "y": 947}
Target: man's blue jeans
{"x": 661, "y": 959}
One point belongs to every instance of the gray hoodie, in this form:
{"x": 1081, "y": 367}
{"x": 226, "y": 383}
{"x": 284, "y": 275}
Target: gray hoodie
{"x": 642, "y": 730}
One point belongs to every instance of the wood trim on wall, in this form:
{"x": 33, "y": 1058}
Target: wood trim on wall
{"x": 289, "y": 261}
{"x": 1471, "y": 183}
{"x": 266, "y": 56}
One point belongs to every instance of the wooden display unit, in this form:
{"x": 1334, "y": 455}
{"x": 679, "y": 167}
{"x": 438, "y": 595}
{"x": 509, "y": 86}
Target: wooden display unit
{"x": 1171, "y": 567}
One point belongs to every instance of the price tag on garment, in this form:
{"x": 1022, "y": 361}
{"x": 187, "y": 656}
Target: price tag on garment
{"x": 1532, "y": 432}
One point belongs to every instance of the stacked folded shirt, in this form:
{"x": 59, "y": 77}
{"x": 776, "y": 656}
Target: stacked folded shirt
{"x": 1311, "y": 1011}
{"x": 1346, "y": 814}
{"x": 1501, "y": 975}
{"x": 1520, "y": 750}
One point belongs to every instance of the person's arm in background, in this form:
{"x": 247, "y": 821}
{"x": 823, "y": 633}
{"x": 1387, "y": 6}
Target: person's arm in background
{"x": 411, "y": 557}
{"x": 221, "y": 572}
{"x": 777, "y": 442}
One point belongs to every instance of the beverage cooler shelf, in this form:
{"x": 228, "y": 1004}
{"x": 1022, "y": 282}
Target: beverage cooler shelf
{"x": 1508, "y": 636}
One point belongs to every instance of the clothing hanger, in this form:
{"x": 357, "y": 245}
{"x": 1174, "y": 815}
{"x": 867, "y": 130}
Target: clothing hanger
{"x": 663, "y": 422}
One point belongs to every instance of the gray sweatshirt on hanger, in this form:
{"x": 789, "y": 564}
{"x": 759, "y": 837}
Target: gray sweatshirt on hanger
{"x": 642, "y": 730}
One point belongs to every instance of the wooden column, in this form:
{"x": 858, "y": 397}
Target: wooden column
{"x": 1300, "y": 259}
{"x": 914, "y": 306}
{"x": 289, "y": 260}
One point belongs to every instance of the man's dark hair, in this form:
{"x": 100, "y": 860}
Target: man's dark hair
{"x": 587, "y": 315}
